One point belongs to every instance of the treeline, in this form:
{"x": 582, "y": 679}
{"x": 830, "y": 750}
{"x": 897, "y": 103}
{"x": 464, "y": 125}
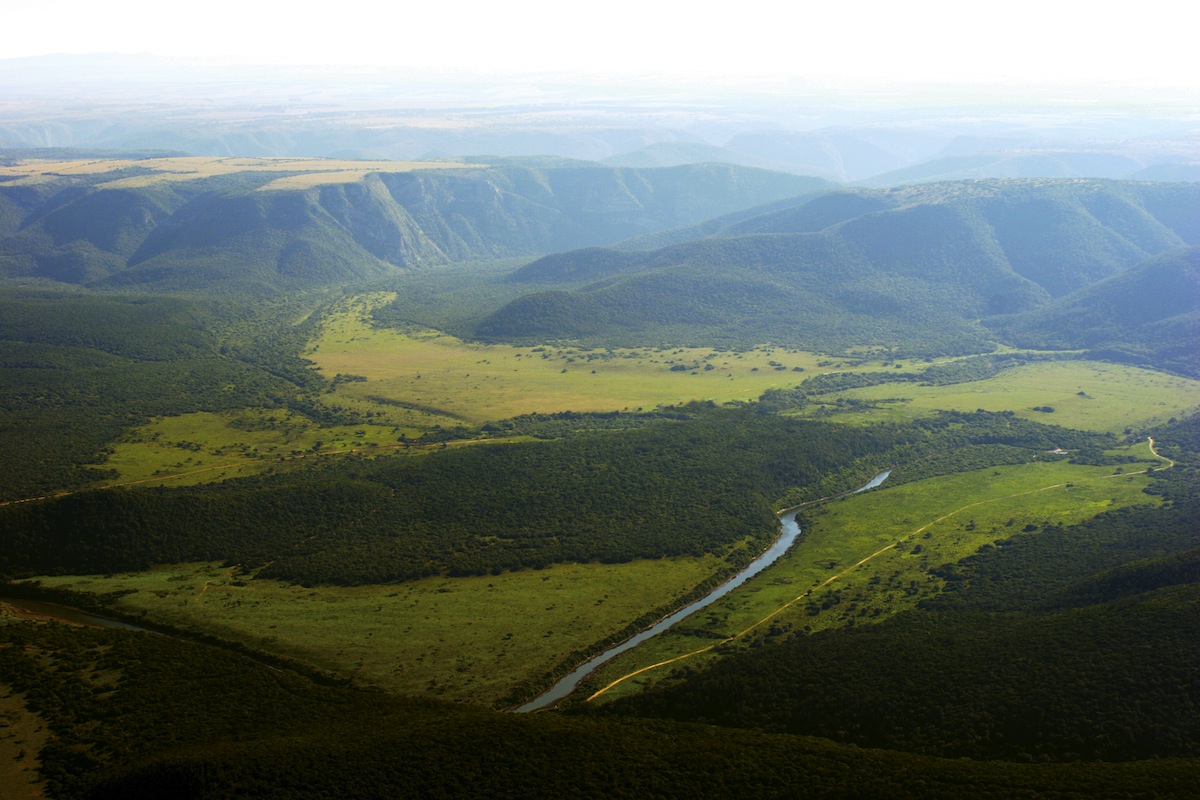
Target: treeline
{"x": 139, "y": 716}
{"x": 666, "y": 489}
{"x": 964, "y": 370}
{"x": 952, "y": 442}
{"x": 1070, "y": 643}
{"x": 1115, "y": 681}
{"x": 674, "y": 487}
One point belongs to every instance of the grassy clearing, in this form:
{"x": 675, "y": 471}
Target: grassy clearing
{"x": 204, "y": 447}
{"x": 904, "y": 531}
{"x": 23, "y": 734}
{"x": 469, "y": 639}
{"x": 313, "y": 171}
{"x": 427, "y": 371}
{"x": 1087, "y": 395}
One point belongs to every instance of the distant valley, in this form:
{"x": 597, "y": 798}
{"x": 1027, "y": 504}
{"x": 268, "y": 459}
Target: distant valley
{"x": 388, "y": 447}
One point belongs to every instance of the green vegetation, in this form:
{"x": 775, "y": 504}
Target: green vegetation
{"x": 1086, "y": 395}
{"x": 1146, "y": 315}
{"x": 252, "y": 418}
{"x": 911, "y": 269}
{"x": 417, "y": 376}
{"x": 466, "y": 639}
{"x": 707, "y": 486}
{"x": 182, "y": 720}
{"x": 866, "y": 558}
{"x": 1069, "y": 637}
{"x": 80, "y": 369}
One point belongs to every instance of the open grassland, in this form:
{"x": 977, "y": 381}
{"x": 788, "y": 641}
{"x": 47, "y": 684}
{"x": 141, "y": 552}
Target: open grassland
{"x": 22, "y": 736}
{"x": 1087, "y": 395}
{"x": 867, "y": 557}
{"x": 429, "y": 372}
{"x": 470, "y": 639}
{"x": 310, "y": 171}
{"x": 204, "y": 447}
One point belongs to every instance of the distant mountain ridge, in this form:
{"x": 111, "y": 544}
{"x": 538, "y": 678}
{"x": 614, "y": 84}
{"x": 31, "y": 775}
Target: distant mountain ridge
{"x": 913, "y": 268}
{"x": 222, "y": 233}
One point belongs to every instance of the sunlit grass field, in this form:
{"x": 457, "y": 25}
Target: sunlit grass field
{"x": 431, "y": 371}
{"x": 903, "y": 532}
{"x": 311, "y": 171}
{"x": 204, "y": 447}
{"x": 1087, "y": 395}
{"x": 470, "y": 639}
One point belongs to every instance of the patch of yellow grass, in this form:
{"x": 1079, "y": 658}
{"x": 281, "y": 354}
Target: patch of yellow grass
{"x": 316, "y": 170}
{"x": 1088, "y": 395}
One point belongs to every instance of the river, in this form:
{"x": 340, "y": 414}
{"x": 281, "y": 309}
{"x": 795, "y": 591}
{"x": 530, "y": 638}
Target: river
{"x": 788, "y": 531}
{"x": 38, "y": 608}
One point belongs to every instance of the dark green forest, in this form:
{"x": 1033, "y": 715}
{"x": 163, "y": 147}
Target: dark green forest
{"x": 708, "y": 483}
{"x": 143, "y": 716}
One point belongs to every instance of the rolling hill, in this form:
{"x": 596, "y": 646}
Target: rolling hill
{"x": 1148, "y": 314}
{"x": 913, "y": 269}
{"x": 236, "y": 231}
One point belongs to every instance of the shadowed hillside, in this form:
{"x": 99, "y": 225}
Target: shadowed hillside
{"x": 223, "y": 232}
{"x": 911, "y": 268}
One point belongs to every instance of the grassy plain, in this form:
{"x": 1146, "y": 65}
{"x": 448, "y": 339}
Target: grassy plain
{"x": 311, "y": 171}
{"x": 470, "y": 639}
{"x": 426, "y": 371}
{"x": 204, "y": 447}
{"x": 1087, "y": 395}
{"x": 867, "y": 557}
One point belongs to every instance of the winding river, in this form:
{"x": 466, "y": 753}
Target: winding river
{"x": 789, "y": 530}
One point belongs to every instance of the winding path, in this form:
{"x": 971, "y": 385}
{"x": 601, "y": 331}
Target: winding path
{"x": 848, "y": 570}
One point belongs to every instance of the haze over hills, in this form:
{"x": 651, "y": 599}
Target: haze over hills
{"x": 141, "y": 102}
{"x": 227, "y": 231}
{"x": 1147, "y": 314}
{"x": 912, "y": 269}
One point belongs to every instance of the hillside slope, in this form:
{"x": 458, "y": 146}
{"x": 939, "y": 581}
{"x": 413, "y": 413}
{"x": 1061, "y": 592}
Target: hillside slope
{"x": 229, "y": 232}
{"x": 1148, "y": 314}
{"x": 912, "y": 269}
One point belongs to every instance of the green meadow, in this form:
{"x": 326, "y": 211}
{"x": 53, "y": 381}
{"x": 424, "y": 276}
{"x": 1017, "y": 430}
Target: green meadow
{"x": 1088, "y": 395}
{"x": 472, "y": 639}
{"x": 416, "y": 376}
{"x": 204, "y": 446}
{"x": 867, "y": 557}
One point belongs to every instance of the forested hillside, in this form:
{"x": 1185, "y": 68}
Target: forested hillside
{"x": 910, "y": 268}
{"x": 233, "y": 231}
{"x": 1149, "y": 314}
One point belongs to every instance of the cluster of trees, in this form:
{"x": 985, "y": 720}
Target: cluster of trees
{"x": 665, "y": 489}
{"x": 693, "y": 480}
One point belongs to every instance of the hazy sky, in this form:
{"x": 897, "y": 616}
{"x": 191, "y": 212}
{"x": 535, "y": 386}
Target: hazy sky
{"x": 1148, "y": 43}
